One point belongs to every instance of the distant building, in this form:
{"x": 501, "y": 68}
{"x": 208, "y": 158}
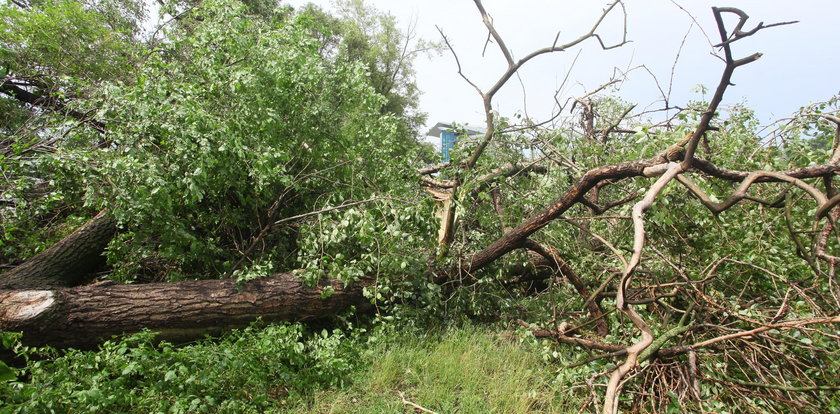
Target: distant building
{"x": 449, "y": 136}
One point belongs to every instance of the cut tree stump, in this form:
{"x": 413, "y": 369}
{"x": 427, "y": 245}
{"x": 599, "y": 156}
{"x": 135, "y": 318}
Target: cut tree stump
{"x": 70, "y": 262}
{"x": 83, "y": 317}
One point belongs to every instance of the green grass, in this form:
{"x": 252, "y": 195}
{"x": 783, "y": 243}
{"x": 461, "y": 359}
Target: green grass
{"x": 468, "y": 370}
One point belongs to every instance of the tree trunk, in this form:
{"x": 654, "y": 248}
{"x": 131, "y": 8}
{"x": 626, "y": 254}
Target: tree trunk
{"x": 70, "y": 262}
{"x": 84, "y": 316}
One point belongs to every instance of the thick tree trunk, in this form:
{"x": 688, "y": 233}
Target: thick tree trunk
{"x": 84, "y": 316}
{"x": 70, "y": 262}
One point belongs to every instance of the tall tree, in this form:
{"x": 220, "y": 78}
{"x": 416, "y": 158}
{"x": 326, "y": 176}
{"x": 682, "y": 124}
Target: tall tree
{"x": 361, "y": 33}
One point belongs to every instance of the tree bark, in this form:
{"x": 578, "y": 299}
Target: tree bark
{"x": 84, "y": 316}
{"x": 70, "y": 262}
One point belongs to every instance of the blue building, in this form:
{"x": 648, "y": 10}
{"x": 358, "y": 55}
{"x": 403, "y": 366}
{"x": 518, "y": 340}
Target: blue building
{"x": 449, "y": 136}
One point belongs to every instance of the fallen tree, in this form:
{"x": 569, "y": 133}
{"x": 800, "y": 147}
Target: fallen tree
{"x": 69, "y": 262}
{"x": 680, "y": 299}
{"x": 677, "y": 161}
{"x": 84, "y": 316}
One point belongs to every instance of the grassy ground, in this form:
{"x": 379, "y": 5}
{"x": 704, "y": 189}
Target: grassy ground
{"x": 281, "y": 368}
{"x": 465, "y": 371}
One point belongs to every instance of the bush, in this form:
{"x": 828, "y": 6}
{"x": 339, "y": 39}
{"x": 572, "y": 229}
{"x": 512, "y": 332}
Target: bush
{"x": 252, "y": 370}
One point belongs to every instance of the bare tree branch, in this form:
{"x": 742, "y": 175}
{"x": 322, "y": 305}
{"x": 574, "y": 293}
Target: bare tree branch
{"x": 489, "y": 23}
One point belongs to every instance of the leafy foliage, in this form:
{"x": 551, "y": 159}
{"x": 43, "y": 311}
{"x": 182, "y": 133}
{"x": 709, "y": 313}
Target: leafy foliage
{"x": 53, "y": 54}
{"x": 63, "y": 45}
{"x": 252, "y": 370}
{"x": 359, "y": 33}
{"x": 228, "y": 125}
{"x": 377, "y": 241}
{"x": 247, "y": 105}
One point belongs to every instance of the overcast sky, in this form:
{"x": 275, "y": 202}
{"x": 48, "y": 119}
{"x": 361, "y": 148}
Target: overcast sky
{"x": 799, "y": 66}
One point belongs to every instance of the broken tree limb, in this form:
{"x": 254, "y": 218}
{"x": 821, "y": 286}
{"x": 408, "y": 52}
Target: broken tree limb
{"x": 515, "y": 238}
{"x": 487, "y": 98}
{"x": 507, "y": 170}
{"x": 84, "y": 316}
{"x": 69, "y": 262}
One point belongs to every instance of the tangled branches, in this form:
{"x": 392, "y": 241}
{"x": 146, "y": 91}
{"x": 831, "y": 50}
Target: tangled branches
{"x": 764, "y": 337}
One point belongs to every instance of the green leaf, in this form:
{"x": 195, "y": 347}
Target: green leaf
{"x": 6, "y": 372}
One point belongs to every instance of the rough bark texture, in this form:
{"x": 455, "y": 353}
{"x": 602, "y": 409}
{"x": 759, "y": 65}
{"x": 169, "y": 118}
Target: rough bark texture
{"x": 84, "y": 316}
{"x": 70, "y": 262}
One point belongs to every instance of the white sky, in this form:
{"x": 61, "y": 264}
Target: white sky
{"x": 799, "y": 66}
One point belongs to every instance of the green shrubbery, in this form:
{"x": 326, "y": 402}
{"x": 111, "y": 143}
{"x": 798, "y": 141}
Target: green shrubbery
{"x": 253, "y": 370}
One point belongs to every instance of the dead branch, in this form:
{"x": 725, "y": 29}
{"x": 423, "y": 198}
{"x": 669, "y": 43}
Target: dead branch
{"x": 433, "y": 168}
{"x": 669, "y": 172}
{"x": 417, "y": 407}
{"x": 741, "y": 192}
{"x": 780, "y": 387}
{"x": 777, "y": 326}
{"x": 570, "y": 340}
{"x": 487, "y": 97}
{"x": 513, "y": 67}
{"x": 327, "y": 210}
